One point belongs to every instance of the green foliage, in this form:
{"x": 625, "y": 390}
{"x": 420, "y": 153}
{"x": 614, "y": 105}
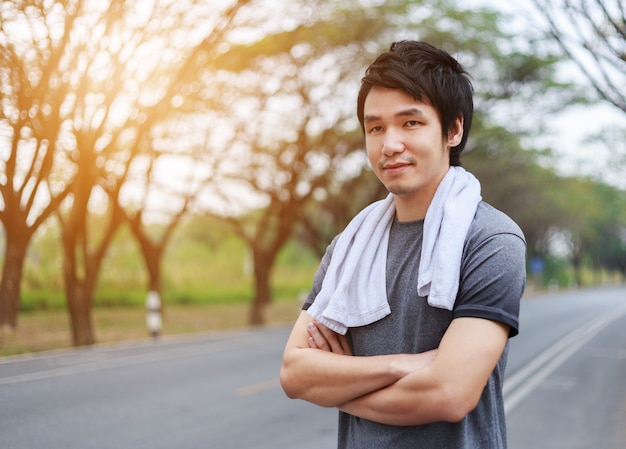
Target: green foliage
{"x": 41, "y": 299}
{"x": 557, "y": 273}
{"x": 44, "y": 264}
{"x": 204, "y": 264}
{"x": 122, "y": 269}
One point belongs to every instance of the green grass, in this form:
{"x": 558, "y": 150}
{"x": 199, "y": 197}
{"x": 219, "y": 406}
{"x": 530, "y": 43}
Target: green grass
{"x": 207, "y": 285}
{"x": 202, "y": 265}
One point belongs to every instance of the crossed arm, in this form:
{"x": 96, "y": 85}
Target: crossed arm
{"x": 398, "y": 389}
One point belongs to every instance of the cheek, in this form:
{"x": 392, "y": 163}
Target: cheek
{"x": 372, "y": 153}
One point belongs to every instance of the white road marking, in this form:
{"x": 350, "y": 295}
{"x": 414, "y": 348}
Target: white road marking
{"x": 527, "y": 379}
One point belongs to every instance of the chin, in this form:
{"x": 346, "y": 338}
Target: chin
{"x": 401, "y": 189}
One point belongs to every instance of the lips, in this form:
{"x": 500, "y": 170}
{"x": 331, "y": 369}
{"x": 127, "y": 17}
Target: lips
{"x": 395, "y": 166}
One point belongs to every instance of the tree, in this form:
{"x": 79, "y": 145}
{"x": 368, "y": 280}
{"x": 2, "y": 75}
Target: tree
{"x": 604, "y": 239}
{"x": 90, "y": 82}
{"x": 30, "y": 135}
{"x": 589, "y": 225}
{"x": 513, "y": 181}
{"x": 168, "y": 74}
{"x": 592, "y": 33}
{"x": 294, "y": 127}
{"x": 325, "y": 217}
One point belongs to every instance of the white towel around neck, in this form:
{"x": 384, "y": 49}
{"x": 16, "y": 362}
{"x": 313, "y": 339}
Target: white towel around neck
{"x": 354, "y": 291}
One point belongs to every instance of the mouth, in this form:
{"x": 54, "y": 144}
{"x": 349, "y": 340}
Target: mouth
{"x": 395, "y": 167}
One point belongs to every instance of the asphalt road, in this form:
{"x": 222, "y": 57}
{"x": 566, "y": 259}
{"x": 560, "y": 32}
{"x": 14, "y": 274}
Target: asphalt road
{"x": 565, "y": 388}
{"x": 566, "y": 380}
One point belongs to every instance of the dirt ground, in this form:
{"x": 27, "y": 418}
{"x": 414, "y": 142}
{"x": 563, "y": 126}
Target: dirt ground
{"x": 46, "y": 330}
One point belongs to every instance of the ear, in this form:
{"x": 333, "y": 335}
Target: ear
{"x": 456, "y": 132}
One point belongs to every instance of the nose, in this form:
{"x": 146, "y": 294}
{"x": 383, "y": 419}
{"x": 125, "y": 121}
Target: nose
{"x": 392, "y": 144}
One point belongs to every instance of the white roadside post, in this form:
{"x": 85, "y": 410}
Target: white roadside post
{"x": 153, "y": 314}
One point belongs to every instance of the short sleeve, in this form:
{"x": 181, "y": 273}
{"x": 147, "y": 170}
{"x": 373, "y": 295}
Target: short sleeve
{"x": 493, "y": 279}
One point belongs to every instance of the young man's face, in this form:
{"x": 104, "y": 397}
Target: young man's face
{"x": 405, "y": 144}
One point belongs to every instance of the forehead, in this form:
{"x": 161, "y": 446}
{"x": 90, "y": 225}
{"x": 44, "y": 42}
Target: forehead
{"x": 382, "y": 102}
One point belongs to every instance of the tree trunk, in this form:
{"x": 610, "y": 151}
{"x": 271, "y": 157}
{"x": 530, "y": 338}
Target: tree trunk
{"x": 577, "y": 267}
{"x": 79, "y": 304}
{"x": 79, "y": 281}
{"x": 263, "y": 295}
{"x": 14, "y": 256}
{"x": 79, "y": 297}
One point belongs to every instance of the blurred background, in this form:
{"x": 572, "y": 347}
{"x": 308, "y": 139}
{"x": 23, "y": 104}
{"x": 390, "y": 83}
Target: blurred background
{"x": 204, "y": 153}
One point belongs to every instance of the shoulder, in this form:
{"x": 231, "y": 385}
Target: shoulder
{"x": 493, "y": 231}
{"x": 489, "y": 222}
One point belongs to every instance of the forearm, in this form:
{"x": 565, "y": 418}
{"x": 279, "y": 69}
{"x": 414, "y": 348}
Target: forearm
{"x": 329, "y": 379}
{"x": 445, "y": 390}
{"x": 319, "y": 367}
{"x": 413, "y": 400}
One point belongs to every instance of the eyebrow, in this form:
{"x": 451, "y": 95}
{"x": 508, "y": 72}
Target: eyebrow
{"x": 404, "y": 113}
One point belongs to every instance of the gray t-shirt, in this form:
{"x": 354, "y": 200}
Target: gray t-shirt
{"x": 493, "y": 277}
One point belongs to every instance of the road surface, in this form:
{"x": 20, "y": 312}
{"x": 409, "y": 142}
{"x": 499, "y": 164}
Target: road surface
{"x": 565, "y": 388}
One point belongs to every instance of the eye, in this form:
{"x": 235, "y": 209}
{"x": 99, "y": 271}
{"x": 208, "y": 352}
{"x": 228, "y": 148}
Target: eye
{"x": 375, "y": 129}
{"x": 411, "y": 123}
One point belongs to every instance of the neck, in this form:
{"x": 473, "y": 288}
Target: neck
{"x": 411, "y": 209}
{"x": 413, "y": 206}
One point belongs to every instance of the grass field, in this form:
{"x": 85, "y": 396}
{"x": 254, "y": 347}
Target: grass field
{"x": 47, "y": 330}
{"x": 207, "y": 286}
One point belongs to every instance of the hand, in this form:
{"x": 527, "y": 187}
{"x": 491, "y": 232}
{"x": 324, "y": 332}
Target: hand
{"x": 321, "y": 337}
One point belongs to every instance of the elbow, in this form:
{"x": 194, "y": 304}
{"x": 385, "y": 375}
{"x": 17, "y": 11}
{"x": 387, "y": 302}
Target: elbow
{"x": 296, "y": 387}
{"x": 456, "y": 405}
{"x": 291, "y": 379}
{"x": 288, "y": 383}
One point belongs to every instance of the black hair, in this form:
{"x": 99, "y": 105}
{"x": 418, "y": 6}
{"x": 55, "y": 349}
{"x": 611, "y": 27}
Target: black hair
{"x": 429, "y": 75}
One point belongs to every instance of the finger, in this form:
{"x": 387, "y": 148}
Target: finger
{"x": 331, "y": 337}
{"x": 345, "y": 346}
{"x": 318, "y": 337}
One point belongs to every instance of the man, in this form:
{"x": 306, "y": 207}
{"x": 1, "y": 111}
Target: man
{"x": 406, "y": 328}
